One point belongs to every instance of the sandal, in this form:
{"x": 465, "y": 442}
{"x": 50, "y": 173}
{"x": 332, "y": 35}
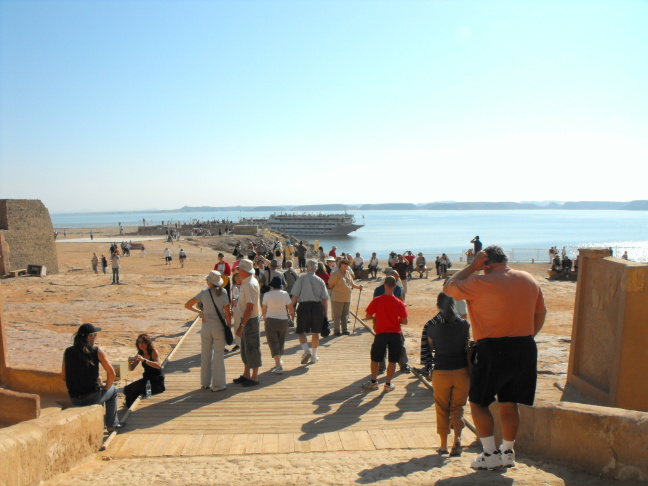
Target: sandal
{"x": 442, "y": 451}
{"x": 456, "y": 449}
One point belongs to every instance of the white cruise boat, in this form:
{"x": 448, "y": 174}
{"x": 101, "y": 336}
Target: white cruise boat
{"x": 308, "y": 224}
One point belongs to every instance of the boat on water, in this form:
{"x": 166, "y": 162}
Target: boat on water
{"x": 308, "y": 224}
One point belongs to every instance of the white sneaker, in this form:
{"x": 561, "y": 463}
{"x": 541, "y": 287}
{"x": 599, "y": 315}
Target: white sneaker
{"x": 487, "y": 461}
{"x": 314, "y": 359}
{"x": 218, "y": 388}
{"x": 277, "y": 370}
{"x": 508, "y": 458}
{"x": 305, "y": 357}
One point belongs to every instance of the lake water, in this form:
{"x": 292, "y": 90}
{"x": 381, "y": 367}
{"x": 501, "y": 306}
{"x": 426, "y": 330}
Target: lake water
{"x": 525, "y": 234}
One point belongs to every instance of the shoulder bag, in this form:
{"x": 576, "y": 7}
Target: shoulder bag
{"x": 229, "y": 337}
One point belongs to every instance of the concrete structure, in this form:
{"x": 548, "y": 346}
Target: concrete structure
{"x": 21, "y": 401}
{"x": 606, "y": 442}
{"x": 608, "y": 361}
{"x": 39, "y": 449}
{"x": 26, "y": 236}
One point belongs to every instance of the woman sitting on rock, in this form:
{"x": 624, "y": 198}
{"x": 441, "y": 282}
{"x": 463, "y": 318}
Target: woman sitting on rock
{"x": 150, "y": 359}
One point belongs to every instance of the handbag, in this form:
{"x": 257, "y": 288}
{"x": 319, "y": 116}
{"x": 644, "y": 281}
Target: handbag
{"x": 326, "y": 330}
{"x": 229, "y": 337}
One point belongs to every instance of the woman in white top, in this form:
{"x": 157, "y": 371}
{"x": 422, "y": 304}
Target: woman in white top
{"x": 277, "y": 311}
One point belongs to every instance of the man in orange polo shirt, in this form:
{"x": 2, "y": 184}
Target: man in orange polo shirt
{"x": 507, "y": 310}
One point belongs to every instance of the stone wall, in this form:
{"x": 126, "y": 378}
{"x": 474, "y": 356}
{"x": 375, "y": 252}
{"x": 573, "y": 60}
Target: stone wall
{"x": 39, "y": 449}
{"x": 27, "y": 236}
{"x": 608, "y": 361}
{"x": 605, "y": 442}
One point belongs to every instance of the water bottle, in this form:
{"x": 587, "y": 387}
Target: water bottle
{"x": 148, "y": 388}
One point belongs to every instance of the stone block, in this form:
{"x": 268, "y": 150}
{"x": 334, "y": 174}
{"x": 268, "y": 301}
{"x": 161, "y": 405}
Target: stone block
{"x": 16, "y": 407}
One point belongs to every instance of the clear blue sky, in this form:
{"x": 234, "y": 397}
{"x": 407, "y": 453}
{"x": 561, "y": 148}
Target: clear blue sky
{"x": 117, "y": 105}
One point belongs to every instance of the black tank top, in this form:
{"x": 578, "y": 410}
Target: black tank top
{"x": 81, "y": 377}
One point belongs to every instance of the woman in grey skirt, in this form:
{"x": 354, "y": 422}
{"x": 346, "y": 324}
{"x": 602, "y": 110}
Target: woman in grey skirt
{"x": 277, "y": 311}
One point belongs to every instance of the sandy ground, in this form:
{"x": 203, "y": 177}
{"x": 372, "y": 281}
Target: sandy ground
{"x": 393, "y": 467}
{"x": 44, "y": 312}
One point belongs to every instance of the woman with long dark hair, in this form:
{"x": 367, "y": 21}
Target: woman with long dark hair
{"x": 80, "y": 371}
{"x": 447, "y": 334}
{"x": 150, "y": 359}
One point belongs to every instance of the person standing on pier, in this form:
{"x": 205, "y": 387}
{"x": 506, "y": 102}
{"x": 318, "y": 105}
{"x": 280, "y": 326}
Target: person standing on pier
{"x": 249, "y": 331}
{"x": 388, "y": 314}
{"x": 310, "y": 292}
{"x": 507, "y": 310}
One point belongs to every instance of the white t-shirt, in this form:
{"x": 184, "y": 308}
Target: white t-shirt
{"x": 276, "y": 300}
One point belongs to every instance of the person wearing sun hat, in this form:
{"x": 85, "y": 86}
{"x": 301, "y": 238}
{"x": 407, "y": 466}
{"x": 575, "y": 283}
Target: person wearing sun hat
{"x": 213, "y": 306}
{"x": 80, "y": 371}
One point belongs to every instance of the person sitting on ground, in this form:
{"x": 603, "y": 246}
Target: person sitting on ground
{"x": 556, "y": 266}
{"x": 388, "y": 313}
{"x": 420, "y": 265}
{"x": 447, "y": 335}
{"x": 409, "y": 257}
{"x": 566, "y": 265}
{"x": 80, "y": 371}
{"x": 373, "y": 266}
{"x": 444, "y": 264}
{"x": 358, "y": 265}
{"x": 150, "y": 359}
{"x": 277, "y": 311}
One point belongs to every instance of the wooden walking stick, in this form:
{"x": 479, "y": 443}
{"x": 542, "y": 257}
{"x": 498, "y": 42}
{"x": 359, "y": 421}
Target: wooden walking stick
{"x": 356, "y": 312}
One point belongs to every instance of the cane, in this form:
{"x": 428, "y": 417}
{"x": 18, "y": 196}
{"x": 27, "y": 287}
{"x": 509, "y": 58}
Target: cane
{"x": 356, "y": 312}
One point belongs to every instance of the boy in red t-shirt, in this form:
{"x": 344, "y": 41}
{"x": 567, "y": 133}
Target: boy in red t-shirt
{"x": 388, "y": 313}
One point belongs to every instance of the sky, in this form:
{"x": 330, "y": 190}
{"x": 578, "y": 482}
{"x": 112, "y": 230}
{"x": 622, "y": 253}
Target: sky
{"x": 135, "y": 105}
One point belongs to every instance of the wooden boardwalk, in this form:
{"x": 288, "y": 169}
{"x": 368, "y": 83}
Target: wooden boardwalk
{"x": 314, "y": 407}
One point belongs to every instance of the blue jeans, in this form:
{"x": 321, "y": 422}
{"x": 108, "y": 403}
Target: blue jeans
{"x": 109, "y": 397}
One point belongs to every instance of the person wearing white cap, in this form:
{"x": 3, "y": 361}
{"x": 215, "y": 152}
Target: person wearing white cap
{"x": 249, "y": 329}
{"x": 213, "y": 306}
{"x": 80, "y": 372}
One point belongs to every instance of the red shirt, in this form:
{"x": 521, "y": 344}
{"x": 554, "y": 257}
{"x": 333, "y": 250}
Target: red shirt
{"x": 332, "y": 253}
{"x": 324, "y": 276}
{"x": 388, "y": 311}
{"x": 225, "y": 268}
{"x": 409, "y": 258}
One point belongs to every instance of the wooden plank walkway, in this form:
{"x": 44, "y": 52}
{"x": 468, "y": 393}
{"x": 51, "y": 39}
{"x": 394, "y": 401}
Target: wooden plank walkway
{"x": 314, "y": 407}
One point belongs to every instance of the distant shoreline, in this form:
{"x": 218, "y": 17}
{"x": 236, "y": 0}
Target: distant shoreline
{"x": 637, "y": 205}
